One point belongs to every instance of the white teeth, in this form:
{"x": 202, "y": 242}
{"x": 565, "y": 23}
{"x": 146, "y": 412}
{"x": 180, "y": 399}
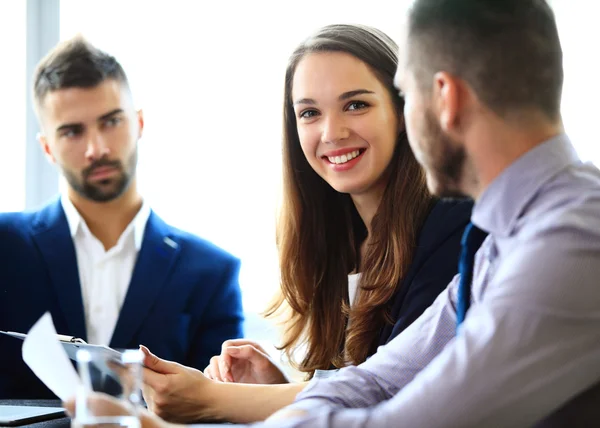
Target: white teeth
{"x": 344, "y": 158}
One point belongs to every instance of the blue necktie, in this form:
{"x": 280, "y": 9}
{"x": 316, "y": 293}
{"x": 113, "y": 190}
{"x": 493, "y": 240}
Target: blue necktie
{"x": 472, "y": 239}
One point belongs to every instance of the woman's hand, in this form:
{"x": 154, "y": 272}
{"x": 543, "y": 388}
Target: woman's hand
{"x": 244, "y": 361}
{"x": 175, "y": 392}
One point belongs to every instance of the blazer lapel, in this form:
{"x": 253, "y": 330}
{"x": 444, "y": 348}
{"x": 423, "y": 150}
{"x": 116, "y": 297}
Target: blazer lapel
{"x": 155, "y": 260}
{"x": 53, "y": 239}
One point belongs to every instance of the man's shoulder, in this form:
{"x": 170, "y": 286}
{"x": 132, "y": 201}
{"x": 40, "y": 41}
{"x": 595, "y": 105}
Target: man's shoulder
{"x": 25, "y": 220}
{"x": 568, "y": 203}
{"x": 551, "y": 258}
{"x": 16, "y": 222}
{"x": 16, "y": 235}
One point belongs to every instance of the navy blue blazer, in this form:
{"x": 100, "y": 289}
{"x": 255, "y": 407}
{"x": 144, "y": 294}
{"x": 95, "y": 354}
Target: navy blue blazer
{"x": 434, "y": 264}
{"x": 183, "y": 300}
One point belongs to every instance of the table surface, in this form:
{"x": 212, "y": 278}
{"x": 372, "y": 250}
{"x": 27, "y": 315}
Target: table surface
{"x": 66, "y": 421}
{"x": 51, "y": 423}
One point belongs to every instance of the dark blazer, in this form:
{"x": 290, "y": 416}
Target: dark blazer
{"x": 434, "y": 264}
{"x": 183, "y": 300}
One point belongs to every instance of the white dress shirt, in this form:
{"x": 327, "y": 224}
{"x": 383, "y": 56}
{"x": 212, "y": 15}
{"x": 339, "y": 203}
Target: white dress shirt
{"x": 353, "y": 280}
{"x": 104, "y": 275}
{"x": 531, "y": 339}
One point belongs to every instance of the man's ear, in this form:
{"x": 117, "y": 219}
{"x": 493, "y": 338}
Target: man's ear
{"x": 140, "y": 119}
{"x": 46, "y": 147}
{"x": 446, "y": 100}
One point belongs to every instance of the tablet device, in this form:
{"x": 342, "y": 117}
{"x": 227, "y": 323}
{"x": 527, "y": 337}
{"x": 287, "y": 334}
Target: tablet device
{"x": 19, "y": 415}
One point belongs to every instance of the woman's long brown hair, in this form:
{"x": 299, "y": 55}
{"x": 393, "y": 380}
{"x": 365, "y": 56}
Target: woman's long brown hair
{"x": 319, "y": 230}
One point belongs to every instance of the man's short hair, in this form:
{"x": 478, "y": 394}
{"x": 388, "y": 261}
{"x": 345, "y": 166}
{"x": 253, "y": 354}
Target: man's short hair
{"x": 508, "y": 51}
{"x": 74, "y": 63}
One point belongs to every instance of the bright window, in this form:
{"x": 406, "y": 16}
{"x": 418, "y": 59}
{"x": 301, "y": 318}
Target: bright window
{"x": 12, "y": 107}
{"x": 579, "y": 33}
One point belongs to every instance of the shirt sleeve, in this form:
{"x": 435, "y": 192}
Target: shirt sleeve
{"x": 524, "y": 350}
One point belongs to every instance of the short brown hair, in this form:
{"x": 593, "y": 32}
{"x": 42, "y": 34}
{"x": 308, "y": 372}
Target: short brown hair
{"x": 74, "y": 63}
{"x": 508, "y": 51}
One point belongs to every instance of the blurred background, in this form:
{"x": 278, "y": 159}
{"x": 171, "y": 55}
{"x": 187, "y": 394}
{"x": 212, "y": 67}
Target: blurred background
{"x": 209, "y": 77}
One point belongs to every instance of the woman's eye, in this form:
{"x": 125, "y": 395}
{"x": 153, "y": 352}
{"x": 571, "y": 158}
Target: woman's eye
{"x": 357, "y": 105}
{"x": 307, "y": 114}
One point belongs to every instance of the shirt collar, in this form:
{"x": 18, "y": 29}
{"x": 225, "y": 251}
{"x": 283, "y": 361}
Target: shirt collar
{"x": 503, "y": 201}
{"x": 73, "y": 217}
{"x": 75, "y": 221}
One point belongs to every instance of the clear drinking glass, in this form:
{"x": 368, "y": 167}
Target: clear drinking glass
{"x": 110, "y": 391}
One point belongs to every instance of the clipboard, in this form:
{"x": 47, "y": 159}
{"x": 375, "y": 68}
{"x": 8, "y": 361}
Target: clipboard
{"x": 73, "y": 344}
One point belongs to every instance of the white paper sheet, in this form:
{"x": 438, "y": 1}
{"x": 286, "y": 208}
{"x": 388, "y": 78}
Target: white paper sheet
{"x": 45, "y": 356}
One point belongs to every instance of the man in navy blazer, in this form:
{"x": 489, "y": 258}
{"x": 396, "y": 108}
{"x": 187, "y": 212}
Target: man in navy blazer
{"x": 105, "y": 266}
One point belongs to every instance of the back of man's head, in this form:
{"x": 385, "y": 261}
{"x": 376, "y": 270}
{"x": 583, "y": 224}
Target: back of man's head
{"x": 74, "y": 63}
{"x": 507, "y": 51}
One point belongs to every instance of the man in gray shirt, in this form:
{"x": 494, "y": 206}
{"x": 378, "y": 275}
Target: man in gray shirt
{"x": 482, "y": 81}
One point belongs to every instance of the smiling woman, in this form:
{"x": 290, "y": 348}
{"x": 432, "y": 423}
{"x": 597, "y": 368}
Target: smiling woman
{"x": 331, "y": 111}
{"x": 368, "y": 211}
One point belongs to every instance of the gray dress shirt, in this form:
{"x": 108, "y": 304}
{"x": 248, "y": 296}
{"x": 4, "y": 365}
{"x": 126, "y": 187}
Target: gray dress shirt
{"x": 531, "y": 339}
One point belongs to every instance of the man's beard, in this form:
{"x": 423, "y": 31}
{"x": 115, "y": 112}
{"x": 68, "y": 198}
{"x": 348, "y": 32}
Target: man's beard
{"x": 103, "y": 190}
{"x": 446, "y": 160}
